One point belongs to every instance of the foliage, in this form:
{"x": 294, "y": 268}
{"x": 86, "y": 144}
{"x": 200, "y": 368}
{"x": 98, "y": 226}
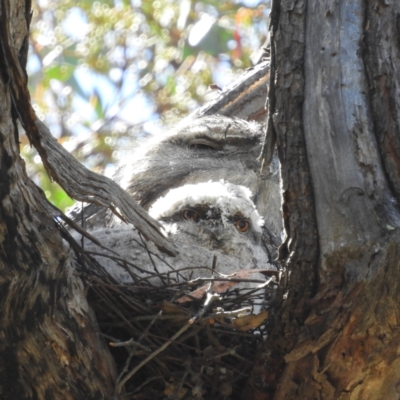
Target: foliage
{"x": 105, "y": 73}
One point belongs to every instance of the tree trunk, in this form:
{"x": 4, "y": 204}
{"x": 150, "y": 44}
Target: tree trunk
{"x": 49, "y": 342}
{"x": 335, "y": 110}
{"x": 334, "y": 114}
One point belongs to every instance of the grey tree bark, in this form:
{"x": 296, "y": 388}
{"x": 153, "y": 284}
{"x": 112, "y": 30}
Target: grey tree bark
{"x": 334, "y": 114}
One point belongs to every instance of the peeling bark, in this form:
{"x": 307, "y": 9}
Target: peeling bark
{"x": 336, "y": 96}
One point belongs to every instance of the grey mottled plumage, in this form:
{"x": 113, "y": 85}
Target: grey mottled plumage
{"x": 202, "y": 220}
{"x": 200, "y": 150}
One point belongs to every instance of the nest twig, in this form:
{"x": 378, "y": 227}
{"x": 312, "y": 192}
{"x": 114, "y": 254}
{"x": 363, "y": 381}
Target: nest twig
{"x": 168, "y": 344}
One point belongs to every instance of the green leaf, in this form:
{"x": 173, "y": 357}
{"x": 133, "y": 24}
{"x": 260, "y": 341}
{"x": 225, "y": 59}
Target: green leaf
{"x": 60, "y": 72}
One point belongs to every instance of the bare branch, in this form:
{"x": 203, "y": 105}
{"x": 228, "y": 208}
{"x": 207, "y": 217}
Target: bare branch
{"x": 244, "y": 98}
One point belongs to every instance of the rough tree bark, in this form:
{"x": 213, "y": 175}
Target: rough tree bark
{"x": 335, "y": 108}
{"x": 49, "y": 345}
{"x": 334, "y": 113}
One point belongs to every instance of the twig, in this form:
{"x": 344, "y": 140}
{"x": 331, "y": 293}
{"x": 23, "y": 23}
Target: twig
{"x": 144, "y": 384}
{"x": 230, "y": 314}
{"x": 130, "y": 343}
{"x": 210, "y": 296}
{"x": 229, "y": 352}
{"x": 120, "y": 385}
{"x": 187, "y": 370}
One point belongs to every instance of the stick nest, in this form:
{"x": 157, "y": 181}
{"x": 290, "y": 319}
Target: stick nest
{"x": 174, "y": 338}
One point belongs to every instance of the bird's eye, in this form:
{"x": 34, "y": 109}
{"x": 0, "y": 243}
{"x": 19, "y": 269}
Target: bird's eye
{"x": 190, "y": 215}
{"x": 201, "y": 146}
{"x": 242, "y": 225}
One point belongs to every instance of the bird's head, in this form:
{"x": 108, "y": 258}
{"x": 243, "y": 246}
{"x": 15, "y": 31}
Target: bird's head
{"x": 217, "y": 216}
